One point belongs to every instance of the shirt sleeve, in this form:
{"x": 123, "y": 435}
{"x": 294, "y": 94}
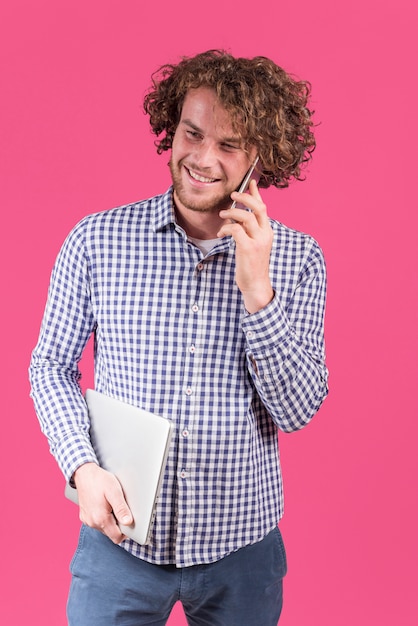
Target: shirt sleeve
{"x": 54, "y": 374}
{"x": 285, "y": 347}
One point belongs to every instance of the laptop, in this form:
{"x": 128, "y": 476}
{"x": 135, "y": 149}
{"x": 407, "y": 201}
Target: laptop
{"x": 133, "y": 444}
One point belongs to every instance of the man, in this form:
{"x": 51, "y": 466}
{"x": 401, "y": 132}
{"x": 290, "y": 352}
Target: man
{"x": 208, "y": 315}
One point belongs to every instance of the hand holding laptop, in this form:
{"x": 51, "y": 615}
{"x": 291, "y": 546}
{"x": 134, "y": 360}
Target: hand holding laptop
{"x": 101, "y": 500}
{"x": 132, "y": 445}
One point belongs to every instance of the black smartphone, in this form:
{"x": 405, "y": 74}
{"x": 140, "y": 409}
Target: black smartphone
{"x": 252, "y": 173}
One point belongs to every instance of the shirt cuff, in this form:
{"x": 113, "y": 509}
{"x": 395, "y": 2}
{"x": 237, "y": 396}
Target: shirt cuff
{"x": 74, "y": 451}
{"x": 267, "y": 328}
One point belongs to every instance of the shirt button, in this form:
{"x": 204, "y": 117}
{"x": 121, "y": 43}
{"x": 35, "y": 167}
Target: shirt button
{"x": 189, "y": 391}
{"x": 250, "y": 334}
{"x": 200, "y": 266}
{"x": 183, "y": 474}
{"x": 192, "y": 349}
{"x": 185, "y": 433}
{"x": 195, "y": 308}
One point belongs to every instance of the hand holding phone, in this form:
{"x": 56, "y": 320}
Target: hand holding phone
{"x": 251, "y": 174}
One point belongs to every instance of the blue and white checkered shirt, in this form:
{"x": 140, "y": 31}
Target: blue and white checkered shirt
{"x": 172, "y": 336}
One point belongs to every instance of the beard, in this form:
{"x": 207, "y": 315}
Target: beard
{"x": 201, "y": 201}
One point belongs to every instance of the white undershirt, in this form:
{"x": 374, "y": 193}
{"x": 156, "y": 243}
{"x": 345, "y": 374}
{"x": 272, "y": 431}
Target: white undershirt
{"x": 205, "y": 245}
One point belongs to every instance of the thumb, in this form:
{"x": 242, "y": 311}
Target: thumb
{"x": 123, "y": 514}
{"x": 120, "y": 507}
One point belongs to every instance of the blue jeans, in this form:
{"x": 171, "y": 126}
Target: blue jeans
{"x": 110, "y": 587}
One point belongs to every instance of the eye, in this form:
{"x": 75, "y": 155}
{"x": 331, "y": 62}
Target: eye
{"x": 193, "y": 135}
{"x": 229, "y": 147}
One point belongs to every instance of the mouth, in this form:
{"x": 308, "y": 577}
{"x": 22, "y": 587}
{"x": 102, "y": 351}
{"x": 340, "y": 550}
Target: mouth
{"x": 199, "y": 178}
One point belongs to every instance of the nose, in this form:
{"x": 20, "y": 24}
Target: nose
{"x": 206, "y": 156}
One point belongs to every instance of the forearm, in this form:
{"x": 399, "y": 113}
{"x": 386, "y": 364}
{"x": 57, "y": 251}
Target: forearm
{"x": 292, "y": 388}
{"x": 288, "y": 370}
{"x": 62, "y": 413}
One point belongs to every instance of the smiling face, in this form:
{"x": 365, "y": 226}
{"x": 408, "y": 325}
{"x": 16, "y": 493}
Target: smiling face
{"x": 208, "y": 160}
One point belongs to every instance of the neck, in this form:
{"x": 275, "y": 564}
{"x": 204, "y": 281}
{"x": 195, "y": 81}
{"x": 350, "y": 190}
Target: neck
{"x": 197, "y": 224}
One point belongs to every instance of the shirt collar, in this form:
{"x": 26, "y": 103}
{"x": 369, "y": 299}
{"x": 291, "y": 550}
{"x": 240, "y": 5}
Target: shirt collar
{"x": 163, "y": 210}
{"x": 164, "y": 215}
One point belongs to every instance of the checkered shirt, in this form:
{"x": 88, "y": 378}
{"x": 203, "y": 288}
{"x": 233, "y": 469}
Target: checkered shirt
{"x": 172, "y": 336}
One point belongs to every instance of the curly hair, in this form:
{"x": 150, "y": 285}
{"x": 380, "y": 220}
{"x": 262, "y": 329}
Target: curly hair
{"x": 268, "y": 108}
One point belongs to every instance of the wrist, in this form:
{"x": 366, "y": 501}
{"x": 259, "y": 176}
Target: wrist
{"x": 257, "y": 299}
{"x": 84, "y": 470}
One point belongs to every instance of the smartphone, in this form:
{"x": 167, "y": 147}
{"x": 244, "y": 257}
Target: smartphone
{"x": 252, "y": 173}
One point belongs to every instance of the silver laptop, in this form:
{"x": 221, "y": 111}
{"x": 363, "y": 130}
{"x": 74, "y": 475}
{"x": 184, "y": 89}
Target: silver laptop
{"x": 133, "y": 444}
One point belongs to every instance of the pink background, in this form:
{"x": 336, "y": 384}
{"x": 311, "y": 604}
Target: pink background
{"x": 74, "y": 141}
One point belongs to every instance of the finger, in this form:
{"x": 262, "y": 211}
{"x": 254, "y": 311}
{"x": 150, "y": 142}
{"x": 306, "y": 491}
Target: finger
{"x": 101, "y": 518}
{"x": 119, "y": 506}
{"x": 237, "y": 215}
{"x": 231, "y": 228}
{"x": 253, "y": 201}
{"x": 246, "y": 221}
{"x": 254, "y": 190}
{"x": 123, "y": 514}
{"x": 112, "y": 530}
{"x": 246, "y": 197}
{"x": 110, "y": 527}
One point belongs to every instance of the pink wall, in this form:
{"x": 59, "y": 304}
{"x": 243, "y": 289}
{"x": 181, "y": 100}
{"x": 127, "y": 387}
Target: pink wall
{"x": 74, "y": 141}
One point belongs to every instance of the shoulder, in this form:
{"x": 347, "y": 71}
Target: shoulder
{"x": 296, "y": 245}
{"x": 128, "y": 214}
{"x": 96, "y": 231}
{"x": 117, "y": 221}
